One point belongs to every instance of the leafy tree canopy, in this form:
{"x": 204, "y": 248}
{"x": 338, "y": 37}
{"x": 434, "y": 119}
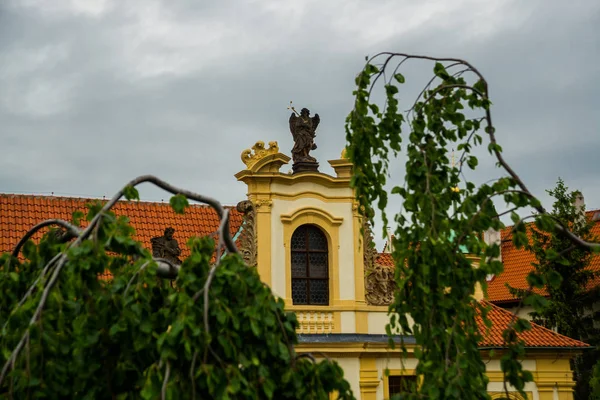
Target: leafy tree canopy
{"x": 442, "y": 212}
{"x": 569, "y": 308}
{"x": 216, "y": 332}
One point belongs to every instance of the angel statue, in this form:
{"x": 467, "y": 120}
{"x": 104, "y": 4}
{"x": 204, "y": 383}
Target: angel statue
{"x": 303, "y": 129}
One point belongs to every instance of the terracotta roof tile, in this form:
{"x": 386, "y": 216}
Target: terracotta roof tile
{"x": 384, "y": 259}
{"x": 517, "y": 265}
{"x": 18, "y": 213}
{"x": 538, "y": 336}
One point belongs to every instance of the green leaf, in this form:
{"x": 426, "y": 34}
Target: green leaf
{"x": 179, "y": 202}
{"x": 554, "y": 279}
{"x": 131, "y": 193}
{"x": 77, "y": 217}
{"x": 522, "y": 325}
{"x": 440, "y": 71}
{"x": 472, "y": 162}
{"x": 399, "y": 78}
{"x": 535, "y": 280}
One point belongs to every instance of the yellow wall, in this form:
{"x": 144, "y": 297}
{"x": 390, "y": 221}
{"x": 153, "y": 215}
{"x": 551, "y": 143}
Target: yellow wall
{"x": 365, "y": 369}
{"x": 283, "y": 203}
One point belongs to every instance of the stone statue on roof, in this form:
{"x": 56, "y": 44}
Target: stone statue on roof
{"x": 303, "y": 127}
{"x": 166, "y": 247}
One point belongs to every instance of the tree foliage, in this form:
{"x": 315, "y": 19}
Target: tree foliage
{"x": 443, "y": 212}
{"x": 216, "y": 332}
{"x": 570, "y": 306}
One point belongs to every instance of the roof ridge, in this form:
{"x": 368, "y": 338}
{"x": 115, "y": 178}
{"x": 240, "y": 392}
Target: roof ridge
{"x": 593, "y": 210}
{"x": 85, "y": 199}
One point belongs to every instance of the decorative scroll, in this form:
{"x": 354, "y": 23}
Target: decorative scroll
{"x": 258, "y": 152}
{"x": 379, "y": 280}
{"x": 247, "y": 239}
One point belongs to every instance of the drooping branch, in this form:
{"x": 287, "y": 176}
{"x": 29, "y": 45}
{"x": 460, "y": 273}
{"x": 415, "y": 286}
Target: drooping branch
{"x": 422, "y": 270}
{"x": 490, "y": 130}
{"x": 71, "y": 229}
{"x": 164, "y": 267}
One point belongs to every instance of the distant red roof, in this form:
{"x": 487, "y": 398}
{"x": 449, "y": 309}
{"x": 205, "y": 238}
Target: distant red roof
{"x": 517, "y": 265}
{"x": 18, "y": 213}
{"x": 538, "y": 336}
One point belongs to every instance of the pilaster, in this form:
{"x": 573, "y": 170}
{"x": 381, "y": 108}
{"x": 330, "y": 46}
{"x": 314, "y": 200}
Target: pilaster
{"x": 369, "y": 378}
{"x": 554, "y": 377}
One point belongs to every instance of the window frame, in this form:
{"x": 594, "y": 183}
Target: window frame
{"x": 307, "y": 251}
{"x": 397, "y": 373}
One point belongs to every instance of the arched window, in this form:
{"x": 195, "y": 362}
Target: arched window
{"x": 310, "y": 271}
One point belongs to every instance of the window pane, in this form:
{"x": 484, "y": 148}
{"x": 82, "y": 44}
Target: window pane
{"x": 319, "y": 291}
{"x": 299, "y": 265}
{"x": 316, "y": 239}
{"x": 299, "y": 293}
{"x": 299, "y": 239}
{"x": 402, "y": 384}
{"x": 318, "y": 265}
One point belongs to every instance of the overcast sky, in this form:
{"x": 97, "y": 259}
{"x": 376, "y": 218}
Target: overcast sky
{"x": 96, "y": 92}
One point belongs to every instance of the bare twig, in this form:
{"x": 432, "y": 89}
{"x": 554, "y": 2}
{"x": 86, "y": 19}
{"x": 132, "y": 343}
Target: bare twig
{"x": 72, "y": 229}
{"x": 134, "y": 276}
{"x": 193, "y": 373}
{"x": 225, "y": 240}
{"x": 213, "y": 270}
{"x": 306, "y": 355}
{"x": 34, "y": 285}
{"x": 163, "y": 390}
{"x": 507, "y": 212}
{"x": 428, "y": 85}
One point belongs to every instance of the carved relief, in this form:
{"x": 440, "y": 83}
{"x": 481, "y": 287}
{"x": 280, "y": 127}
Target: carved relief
{"x": 380, "y": 285}
{"x": 379, "y": 280}
{"x": 263, "y": 204}
{"x": 258, "y": 152}
{"x": 247, "y": 239}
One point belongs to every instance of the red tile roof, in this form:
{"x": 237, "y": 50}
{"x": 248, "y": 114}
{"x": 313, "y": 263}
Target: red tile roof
{"x": 18, "y": 213}
{"x": 517, "y": 265}
{"x": 538, "y": 336}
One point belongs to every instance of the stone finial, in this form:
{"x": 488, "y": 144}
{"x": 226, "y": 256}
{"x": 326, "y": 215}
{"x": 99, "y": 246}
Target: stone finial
{"x": 344, "y": 154}
{"x": 258, "y": 152}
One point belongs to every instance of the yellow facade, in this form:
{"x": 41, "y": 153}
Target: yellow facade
{"x": 284, "y": 202}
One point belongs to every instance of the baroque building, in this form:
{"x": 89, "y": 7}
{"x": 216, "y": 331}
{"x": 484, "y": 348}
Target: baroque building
{"x": 305, "y": 235}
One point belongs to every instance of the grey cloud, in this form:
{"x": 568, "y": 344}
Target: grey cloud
{"x": 179, "y": 89}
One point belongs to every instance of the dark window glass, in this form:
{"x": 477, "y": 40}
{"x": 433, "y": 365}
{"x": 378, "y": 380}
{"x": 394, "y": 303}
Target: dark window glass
{"x": 318, "y": 265}
{"x": 319, "y": 291}
{"x": 299, "y": 291}
{"x": 402, "y": 384}
{"x": 310, "y": 270}
{"x": 299, "y": 265}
